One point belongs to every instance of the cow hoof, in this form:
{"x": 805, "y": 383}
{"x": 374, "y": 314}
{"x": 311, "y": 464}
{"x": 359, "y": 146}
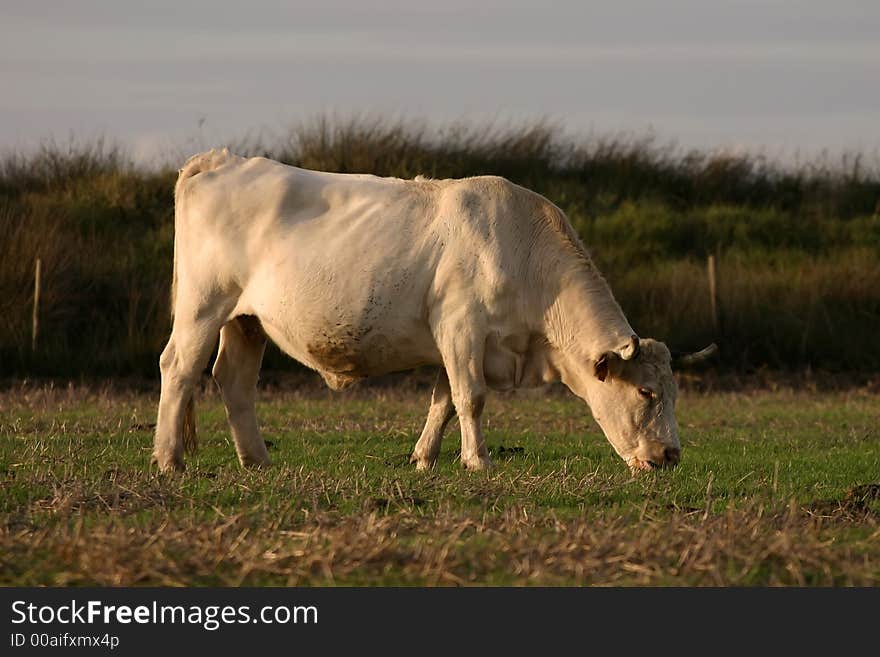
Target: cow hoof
{"x": 168, "y": 465}
{"x": 255, "y": 462}
{"x": 422, "y": 462}
{"x": 478, "y": 463}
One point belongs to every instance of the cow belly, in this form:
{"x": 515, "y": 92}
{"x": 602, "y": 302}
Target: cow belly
{"x": 344, "y": 353}
{"x": 345, "y": 321}
{"x": 368, "y": 352}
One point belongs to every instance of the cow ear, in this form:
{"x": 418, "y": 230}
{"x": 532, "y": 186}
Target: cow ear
{"x": 602, "y": 368}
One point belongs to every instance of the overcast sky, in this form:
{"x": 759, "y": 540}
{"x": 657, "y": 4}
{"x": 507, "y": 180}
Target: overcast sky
{"x": 779, "y": 76}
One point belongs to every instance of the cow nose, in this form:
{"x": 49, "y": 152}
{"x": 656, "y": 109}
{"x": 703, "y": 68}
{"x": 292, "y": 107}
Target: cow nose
{"x": 672, "y": 455}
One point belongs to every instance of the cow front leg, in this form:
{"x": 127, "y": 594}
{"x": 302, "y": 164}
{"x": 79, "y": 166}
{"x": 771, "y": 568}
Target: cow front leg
{"x": 439, "y": 414}
{"x": 463, "y": 352}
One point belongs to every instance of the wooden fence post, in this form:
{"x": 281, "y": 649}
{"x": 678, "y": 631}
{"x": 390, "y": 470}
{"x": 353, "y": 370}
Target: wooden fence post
{"x": 35, "y": 323}
{"x": 713, "y": 294}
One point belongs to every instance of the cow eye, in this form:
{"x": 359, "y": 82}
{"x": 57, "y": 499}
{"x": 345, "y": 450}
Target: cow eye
{"x": 647, "y": 393}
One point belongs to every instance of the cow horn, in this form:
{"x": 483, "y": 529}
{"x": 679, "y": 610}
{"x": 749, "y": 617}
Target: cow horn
{"x": 686, "y": 360}
{"x": 631, "y": 349}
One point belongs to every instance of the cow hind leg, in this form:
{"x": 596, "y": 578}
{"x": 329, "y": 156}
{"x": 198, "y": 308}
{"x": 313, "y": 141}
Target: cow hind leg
{"x": 181, "y": 364}
{"x": 236, "y": 371}
{"x": 440, "y": 413}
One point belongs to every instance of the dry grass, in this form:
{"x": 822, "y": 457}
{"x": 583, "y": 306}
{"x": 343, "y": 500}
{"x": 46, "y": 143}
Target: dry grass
{"x": 739, "y": 547}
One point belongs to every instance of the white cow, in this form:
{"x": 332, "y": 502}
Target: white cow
{"x": 355, "y": 275}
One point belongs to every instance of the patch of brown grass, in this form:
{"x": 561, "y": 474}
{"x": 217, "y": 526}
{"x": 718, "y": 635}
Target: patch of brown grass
{"x": 739, "y": 547}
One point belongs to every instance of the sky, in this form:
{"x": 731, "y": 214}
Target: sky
{"x": 784, "y": 78}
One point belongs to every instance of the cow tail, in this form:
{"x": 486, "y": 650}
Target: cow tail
{"x": 190, "y": 439}
{"x": 174, "y": 276}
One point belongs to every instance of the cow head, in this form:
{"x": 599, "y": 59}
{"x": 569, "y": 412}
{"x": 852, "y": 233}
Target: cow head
{"x": 631, "y": 392}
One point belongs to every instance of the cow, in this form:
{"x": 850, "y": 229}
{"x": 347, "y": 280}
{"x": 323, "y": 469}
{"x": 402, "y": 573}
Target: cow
{"x": 355, "y": 275}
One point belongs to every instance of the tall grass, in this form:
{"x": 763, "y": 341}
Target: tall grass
{"x": 780, "y": 310}
{"x": 595, "y": 174}
{"x": 103, "y": 231}
{"x": 797, "y": 247}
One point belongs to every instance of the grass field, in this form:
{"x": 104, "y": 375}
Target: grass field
{"x": 775, "y": 488}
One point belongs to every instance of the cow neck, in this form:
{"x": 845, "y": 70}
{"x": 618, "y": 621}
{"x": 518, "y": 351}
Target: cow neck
{"x": 584, "y": 319}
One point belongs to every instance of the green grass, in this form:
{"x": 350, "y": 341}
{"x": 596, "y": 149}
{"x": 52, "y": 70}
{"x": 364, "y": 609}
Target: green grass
{"x": 775, "y": 488}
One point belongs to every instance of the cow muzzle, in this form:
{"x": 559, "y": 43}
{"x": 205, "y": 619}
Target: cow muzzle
{"x": 654, "y": 457}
